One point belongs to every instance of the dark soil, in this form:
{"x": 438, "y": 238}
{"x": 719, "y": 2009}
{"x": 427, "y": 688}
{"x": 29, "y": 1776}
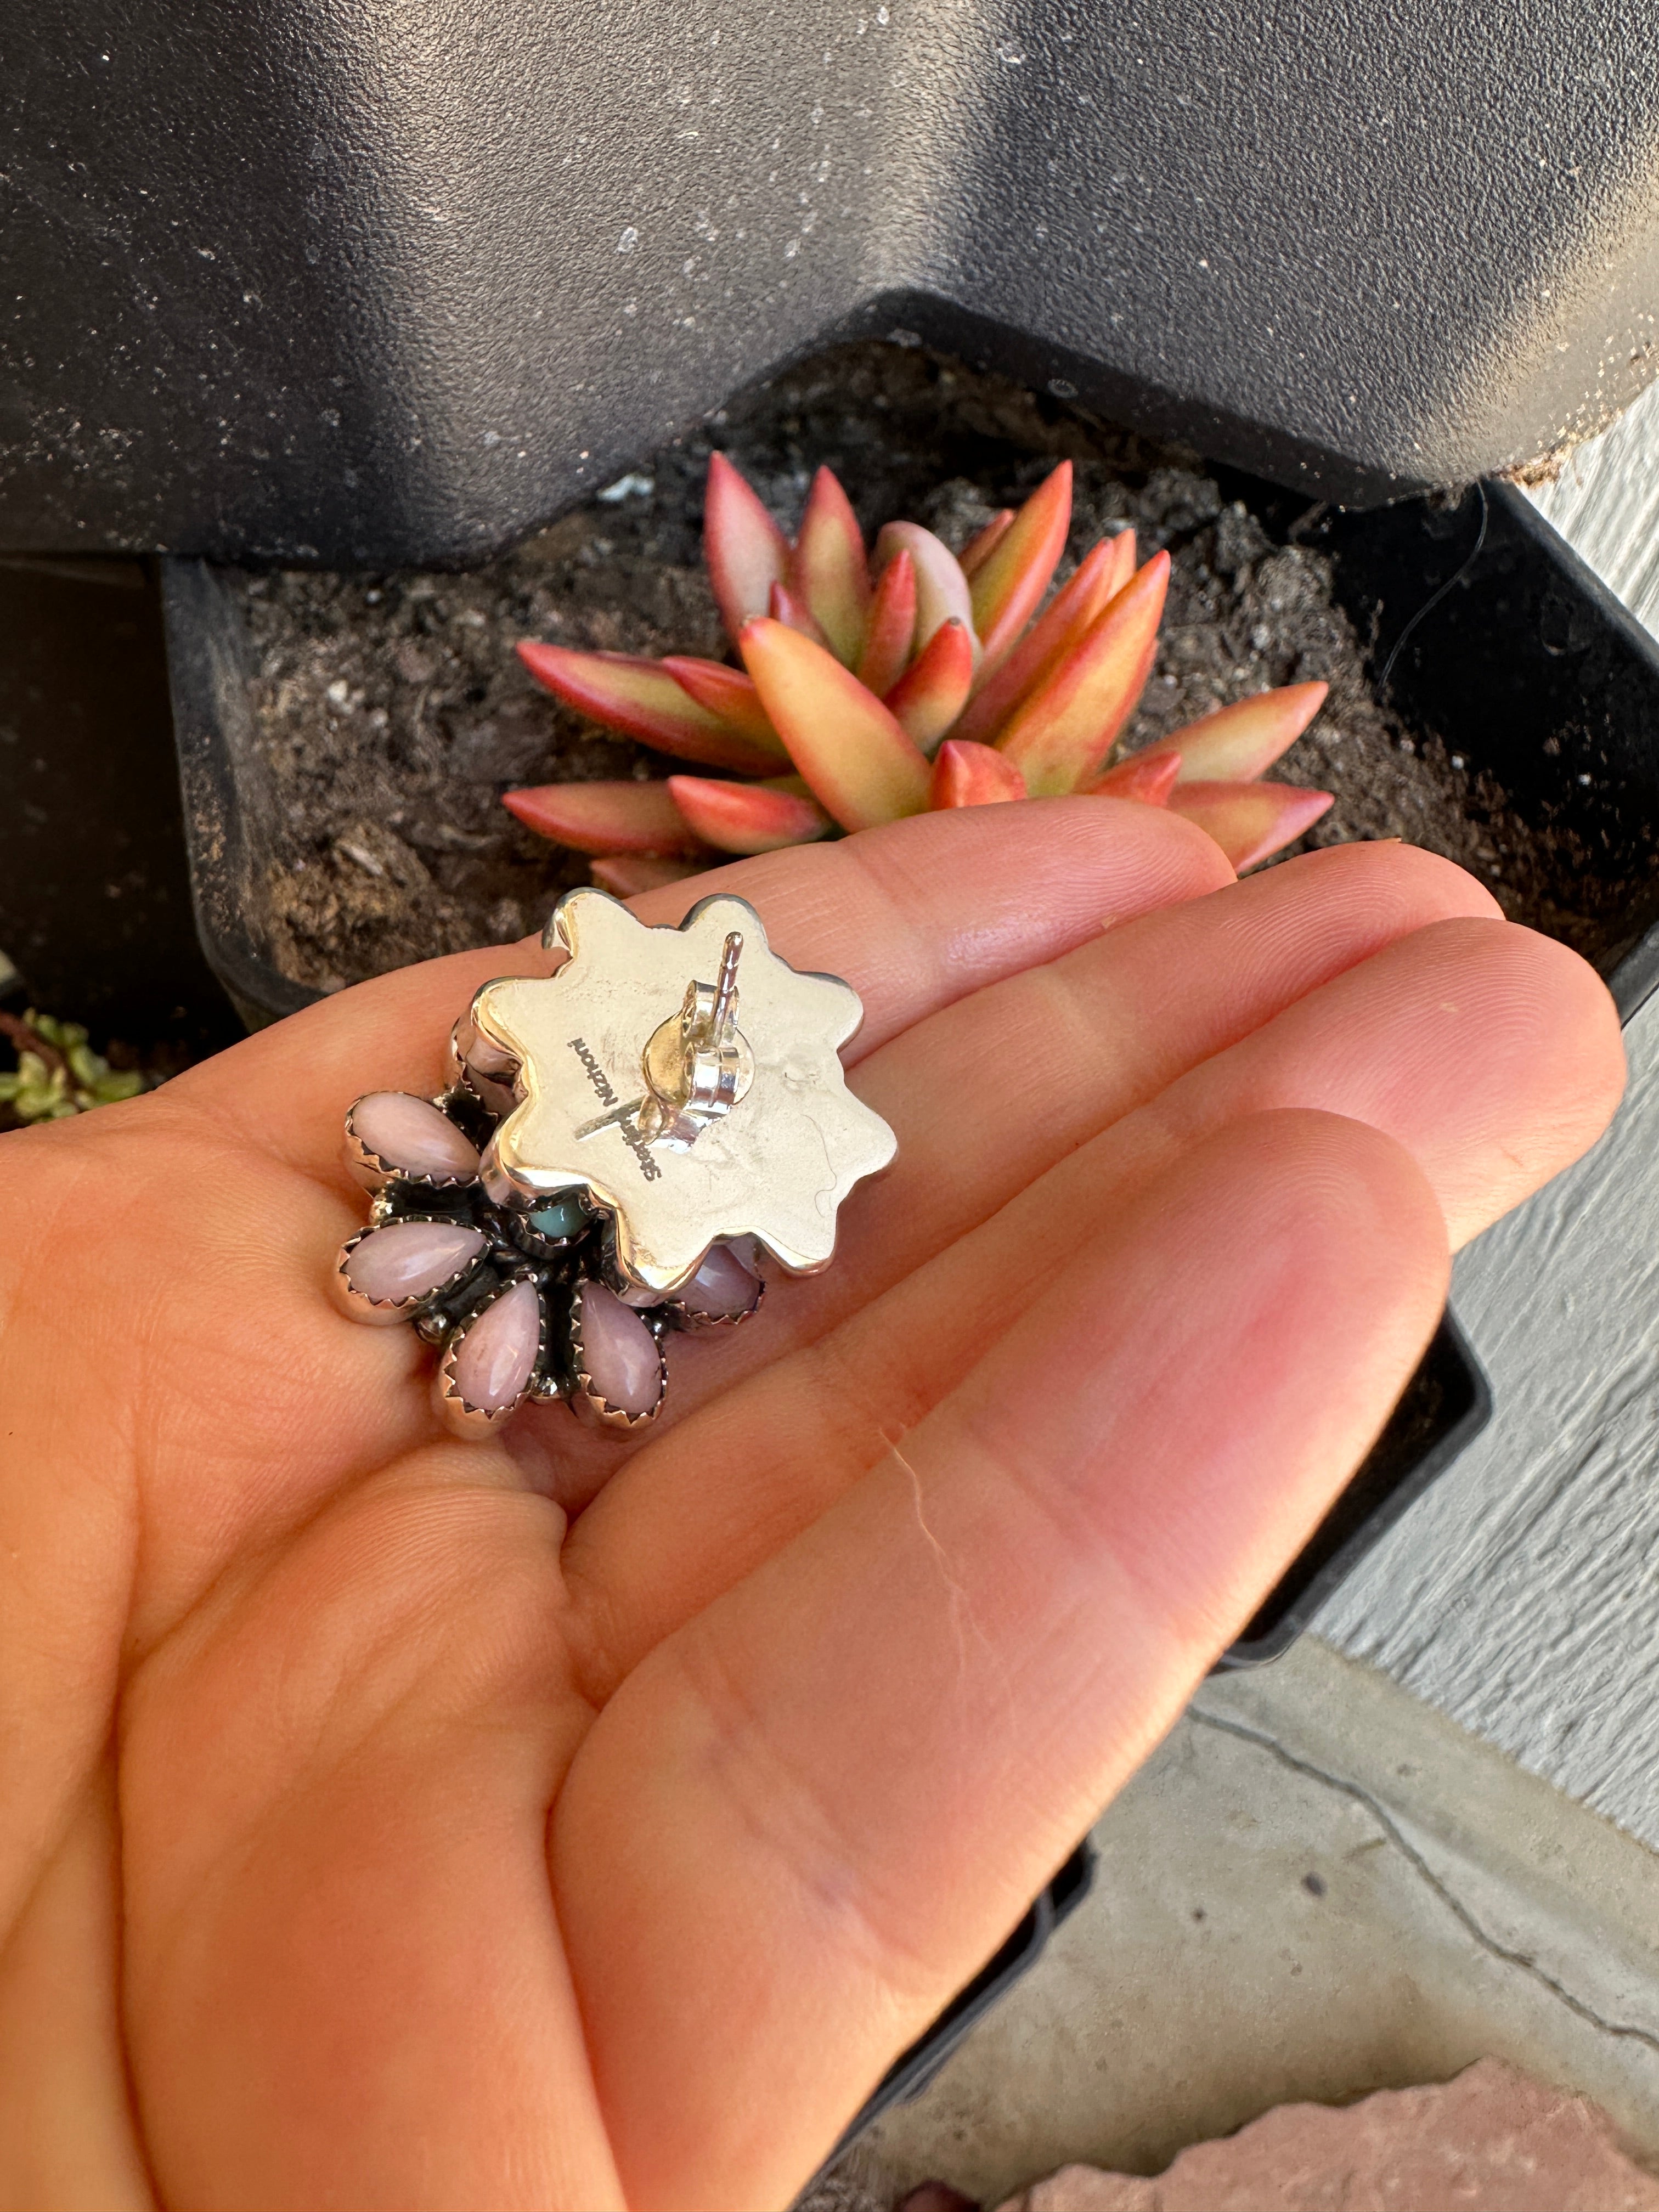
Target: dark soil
{"x": 393, "y": 712}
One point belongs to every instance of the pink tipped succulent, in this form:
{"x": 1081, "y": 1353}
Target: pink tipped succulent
{"x": 877, "y": 686}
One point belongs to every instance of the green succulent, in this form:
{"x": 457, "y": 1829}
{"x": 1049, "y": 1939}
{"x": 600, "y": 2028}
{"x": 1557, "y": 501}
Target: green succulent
{"x": 58, "y": 1073}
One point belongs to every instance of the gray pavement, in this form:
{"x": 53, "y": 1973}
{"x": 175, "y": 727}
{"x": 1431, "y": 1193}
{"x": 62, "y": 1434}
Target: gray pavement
{"x": 1318, "y": 1887}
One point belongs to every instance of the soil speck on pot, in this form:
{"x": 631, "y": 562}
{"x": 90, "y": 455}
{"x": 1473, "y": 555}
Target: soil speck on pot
{"x": 393, "y": 711}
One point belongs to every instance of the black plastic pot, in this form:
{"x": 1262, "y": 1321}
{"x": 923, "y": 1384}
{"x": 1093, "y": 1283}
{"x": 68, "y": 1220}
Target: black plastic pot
{"x": 1492, "y": 633}
{"x": 94, "y": 890}
{"x": 392, "y": 284}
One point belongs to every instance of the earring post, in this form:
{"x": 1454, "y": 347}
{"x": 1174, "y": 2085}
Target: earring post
{"x": 726, "y": 990}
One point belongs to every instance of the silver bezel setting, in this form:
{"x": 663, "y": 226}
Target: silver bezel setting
{"x": 649, "y": 1086}
{"x": 498, "y": 1094}
{"x": 696, "y": 1324}
{"x": 534, "y": 1244}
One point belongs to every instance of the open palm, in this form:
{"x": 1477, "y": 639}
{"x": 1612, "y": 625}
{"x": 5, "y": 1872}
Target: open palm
{"x": 387, "y": 1821}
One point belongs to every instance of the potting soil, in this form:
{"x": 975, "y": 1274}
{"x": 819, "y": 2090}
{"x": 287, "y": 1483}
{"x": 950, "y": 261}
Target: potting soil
{"x": 393, "y": 712}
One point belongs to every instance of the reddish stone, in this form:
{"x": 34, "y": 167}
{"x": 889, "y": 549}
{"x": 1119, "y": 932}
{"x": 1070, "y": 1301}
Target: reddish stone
{"x": 1494, "y": 2139}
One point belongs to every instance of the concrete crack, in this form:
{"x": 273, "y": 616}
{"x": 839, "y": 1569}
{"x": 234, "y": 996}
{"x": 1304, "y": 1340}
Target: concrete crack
{"x": 1425, "y": 1873}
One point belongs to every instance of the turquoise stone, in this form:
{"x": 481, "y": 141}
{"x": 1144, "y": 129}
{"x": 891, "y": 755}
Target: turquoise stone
{"x": 560, "y": 1217}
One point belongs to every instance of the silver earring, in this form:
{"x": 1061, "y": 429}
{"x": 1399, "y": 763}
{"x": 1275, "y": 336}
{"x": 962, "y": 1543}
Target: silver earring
{"x": 621, "y": 1149}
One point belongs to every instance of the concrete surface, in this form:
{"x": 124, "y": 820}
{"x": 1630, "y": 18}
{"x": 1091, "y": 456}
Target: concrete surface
{"x": 1316, "y": 1887}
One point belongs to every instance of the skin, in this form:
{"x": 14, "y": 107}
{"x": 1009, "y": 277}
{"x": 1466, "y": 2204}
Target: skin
{"x": 394, "y": 1822}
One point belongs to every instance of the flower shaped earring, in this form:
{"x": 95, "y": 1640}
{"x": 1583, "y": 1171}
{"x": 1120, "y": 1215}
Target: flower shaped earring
{"x": 620, "y": 1147}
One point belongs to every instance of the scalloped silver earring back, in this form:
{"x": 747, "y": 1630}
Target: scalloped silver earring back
{"x": 621, "y": 1151}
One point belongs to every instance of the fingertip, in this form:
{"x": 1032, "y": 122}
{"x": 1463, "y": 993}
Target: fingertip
{"x": 1552, "y": 1055}
{"x": 1354, "y": 1193}
{"x": 1575, "y": 1007}
{"x": 1189, "y": 853}
{"x": 1425, "y": 884}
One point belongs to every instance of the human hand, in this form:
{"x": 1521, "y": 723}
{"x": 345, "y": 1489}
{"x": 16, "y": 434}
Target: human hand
{"x": 387, "y": 1821}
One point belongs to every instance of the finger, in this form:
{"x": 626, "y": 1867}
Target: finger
{"x": 1492, "y": 1055}
{"x": 66, "y": 2128}
{"x": 343, "y": 1979}
{"x": 990, "y": 1091}
{"x": 333, "y": 1398}
{"x": 914, "y": 914}
{"x": 810, "y": 1816}
{"x": 918, "y": 915}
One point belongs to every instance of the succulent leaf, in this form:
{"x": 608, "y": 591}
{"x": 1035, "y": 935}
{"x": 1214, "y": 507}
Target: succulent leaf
{"x": 745, "y": 551}
{"x": 1065, "y": 729}
{"x": 625, "y": 875}
{"x": 1123, "y": 544}
{"x": 978, "y": 549}
{"x": 58, "y": 1073}
{"x": 942, "y": 592}
{"x": 855, "y": 757}
{"x": 929, "y": 695}
{"x": 1250, "y": 821}
{"x": 829, "y": 575}
{"x": 748, "y": 817}
{"x": 1008, "y": 588}
{"x": 728, "y": 694}
{"x": 891, "y": 627}
{"x": 643, "y": 700}
{"x": 1239, "y": 743}
{"x": 1075, "y": 609}
{"x": 967, "y": 774}
{"x": 606, "y": 817}
{"x": 783, "y": 606}
{"x": 1148, "y": 777}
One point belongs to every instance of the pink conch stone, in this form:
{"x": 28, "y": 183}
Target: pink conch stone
{"x": 721, "y": 1286}
{"x": 407, "y": 1259}
{"x": 619, "y": 1352}
{"x": 411, "y": 1133}
{"x": 494, "y": 1357}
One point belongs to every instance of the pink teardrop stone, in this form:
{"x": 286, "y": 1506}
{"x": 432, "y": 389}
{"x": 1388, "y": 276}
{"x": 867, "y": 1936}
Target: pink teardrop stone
{"x": 411, "y": 1133}
{"x": 407, "y": 1259}
{"x": 619, "y": 1352}
{"x": 721, "y": 1287}
{"x": 494, "y": 1356}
